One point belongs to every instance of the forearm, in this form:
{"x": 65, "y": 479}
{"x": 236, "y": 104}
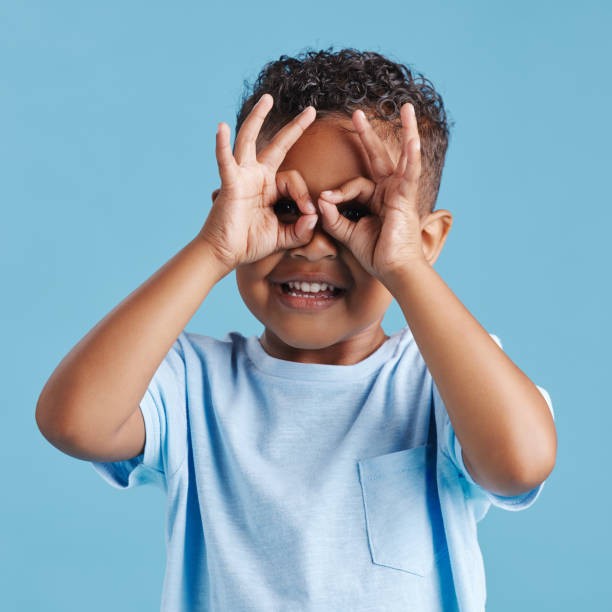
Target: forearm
{"x": 500, "y": 418}
{"x": 101, "y": 381}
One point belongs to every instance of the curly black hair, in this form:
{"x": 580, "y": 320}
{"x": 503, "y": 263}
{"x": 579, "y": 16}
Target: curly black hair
{"x": 337, "y": 84}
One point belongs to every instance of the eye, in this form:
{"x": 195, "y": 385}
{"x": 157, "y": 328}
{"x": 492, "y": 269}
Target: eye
{"x": 287, "y": 211}
{"x": 353, "y": 211}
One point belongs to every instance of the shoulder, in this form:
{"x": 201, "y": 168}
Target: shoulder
{"x": 194, "y": 341}
{"x": 203, "y": 349}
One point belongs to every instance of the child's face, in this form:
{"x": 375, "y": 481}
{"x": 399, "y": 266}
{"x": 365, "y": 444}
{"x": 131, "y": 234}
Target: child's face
{"x": 348, "y": 328}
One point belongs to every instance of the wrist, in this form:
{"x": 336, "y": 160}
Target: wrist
{"x": 212, "y": 260}
{"x": 402, "y": 274}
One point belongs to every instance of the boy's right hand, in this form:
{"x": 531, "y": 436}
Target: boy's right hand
{"x": 242, "y": 226}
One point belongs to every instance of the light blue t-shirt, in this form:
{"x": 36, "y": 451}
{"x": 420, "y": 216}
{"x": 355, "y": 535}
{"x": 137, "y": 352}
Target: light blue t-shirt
{"x": 309, "y": 487}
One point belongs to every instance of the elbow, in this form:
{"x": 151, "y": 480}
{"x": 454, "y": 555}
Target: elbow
{"x": 536, "y": 471}
{"x": 522, "y": 481}
{"x": 538, "y": 459}
{"x": 515, "y": 477}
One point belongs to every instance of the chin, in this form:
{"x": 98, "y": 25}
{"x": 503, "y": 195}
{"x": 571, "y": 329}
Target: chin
{"x": 307, "y": 339}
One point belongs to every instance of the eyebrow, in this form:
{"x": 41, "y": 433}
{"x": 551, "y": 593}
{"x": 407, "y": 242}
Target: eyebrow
{"x": 342, "y": 128}
{"x": 345, "y": 129}
{"x": 349, "y": 131}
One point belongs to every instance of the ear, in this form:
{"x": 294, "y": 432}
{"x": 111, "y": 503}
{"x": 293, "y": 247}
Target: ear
{"x": 214, "y": 194}
{"x": 434, "y": 231}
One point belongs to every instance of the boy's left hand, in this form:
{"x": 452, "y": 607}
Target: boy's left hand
{"x": 388, "y": 239}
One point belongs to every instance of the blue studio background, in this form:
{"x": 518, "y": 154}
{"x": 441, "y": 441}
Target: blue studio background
{"x": 108, "y": 113}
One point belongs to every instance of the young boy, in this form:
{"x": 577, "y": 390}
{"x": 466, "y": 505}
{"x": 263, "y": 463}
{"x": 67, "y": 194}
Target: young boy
{"x": 325, "y": 465}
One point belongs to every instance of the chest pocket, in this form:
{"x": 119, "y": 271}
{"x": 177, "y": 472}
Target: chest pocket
{"x": 402, "y": 510}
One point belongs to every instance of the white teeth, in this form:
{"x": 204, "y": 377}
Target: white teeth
{"x": 310, "y": 287}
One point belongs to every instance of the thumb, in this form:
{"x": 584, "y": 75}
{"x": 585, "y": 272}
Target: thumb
{"x": 335, "y": 224}
{"x": 359, "y": 189}
{"x": 359, "y": 237}
{"x": 298, "y": 233}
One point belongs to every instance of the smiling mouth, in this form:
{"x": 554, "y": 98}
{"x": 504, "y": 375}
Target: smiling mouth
{"x": 319, "y": 293}
{"x": 294, "y": 298}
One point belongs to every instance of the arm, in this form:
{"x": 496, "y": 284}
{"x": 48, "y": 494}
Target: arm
{"x": 500, "y": 418}
{"x": 89, "y": 407}
{"x": 98, "y": 385}
{"x": 502, "y": 421}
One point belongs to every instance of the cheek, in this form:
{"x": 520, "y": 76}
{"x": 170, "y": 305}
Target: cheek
{"x": 371, "y": 297}
{"x": 253, "y": 285}
{"x": 368, "y": 294}
{"x": 250, "y": 289}
{"x": 368, "y": 301}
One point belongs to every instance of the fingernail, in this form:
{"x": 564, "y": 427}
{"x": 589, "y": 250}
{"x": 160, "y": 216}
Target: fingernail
{"x": 310, "y": 223}
{"x": 327, "y": 194}
{"x": 310, "y": 207}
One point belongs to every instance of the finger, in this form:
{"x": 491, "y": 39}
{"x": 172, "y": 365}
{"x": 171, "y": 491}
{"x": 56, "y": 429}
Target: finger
{"x": 291, "y": 184}
{"x": 406, "y": 112}
{"x": 405, "y": 137}
{"x": 274, "y": 153}
{"x": 298, "y": 233}
{"x": 359, "y": 188}
{"x": 413, "y": 164}
{"x": 244, "y": 146}
{"x": 223, "y": 152}
{"x": 411, "y": 152}
{"x": 334, "y": 223}
{"x": 380, "y": 161}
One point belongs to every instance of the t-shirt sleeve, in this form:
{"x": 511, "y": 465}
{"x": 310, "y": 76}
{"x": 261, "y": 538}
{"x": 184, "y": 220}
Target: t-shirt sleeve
{"x": 163, "y": 409}
{"x": 452, "y": 448}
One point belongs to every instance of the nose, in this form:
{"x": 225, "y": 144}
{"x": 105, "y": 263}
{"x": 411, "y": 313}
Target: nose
{"x": 321, "y": 246}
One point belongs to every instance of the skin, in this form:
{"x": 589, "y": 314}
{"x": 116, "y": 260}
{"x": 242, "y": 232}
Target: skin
{"x": 325, "y": 157}
{"x": 503, "y": 423}
{"x": 328, "y": 155}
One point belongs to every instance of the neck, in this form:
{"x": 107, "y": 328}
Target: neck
{"x": 347, "y": 351}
